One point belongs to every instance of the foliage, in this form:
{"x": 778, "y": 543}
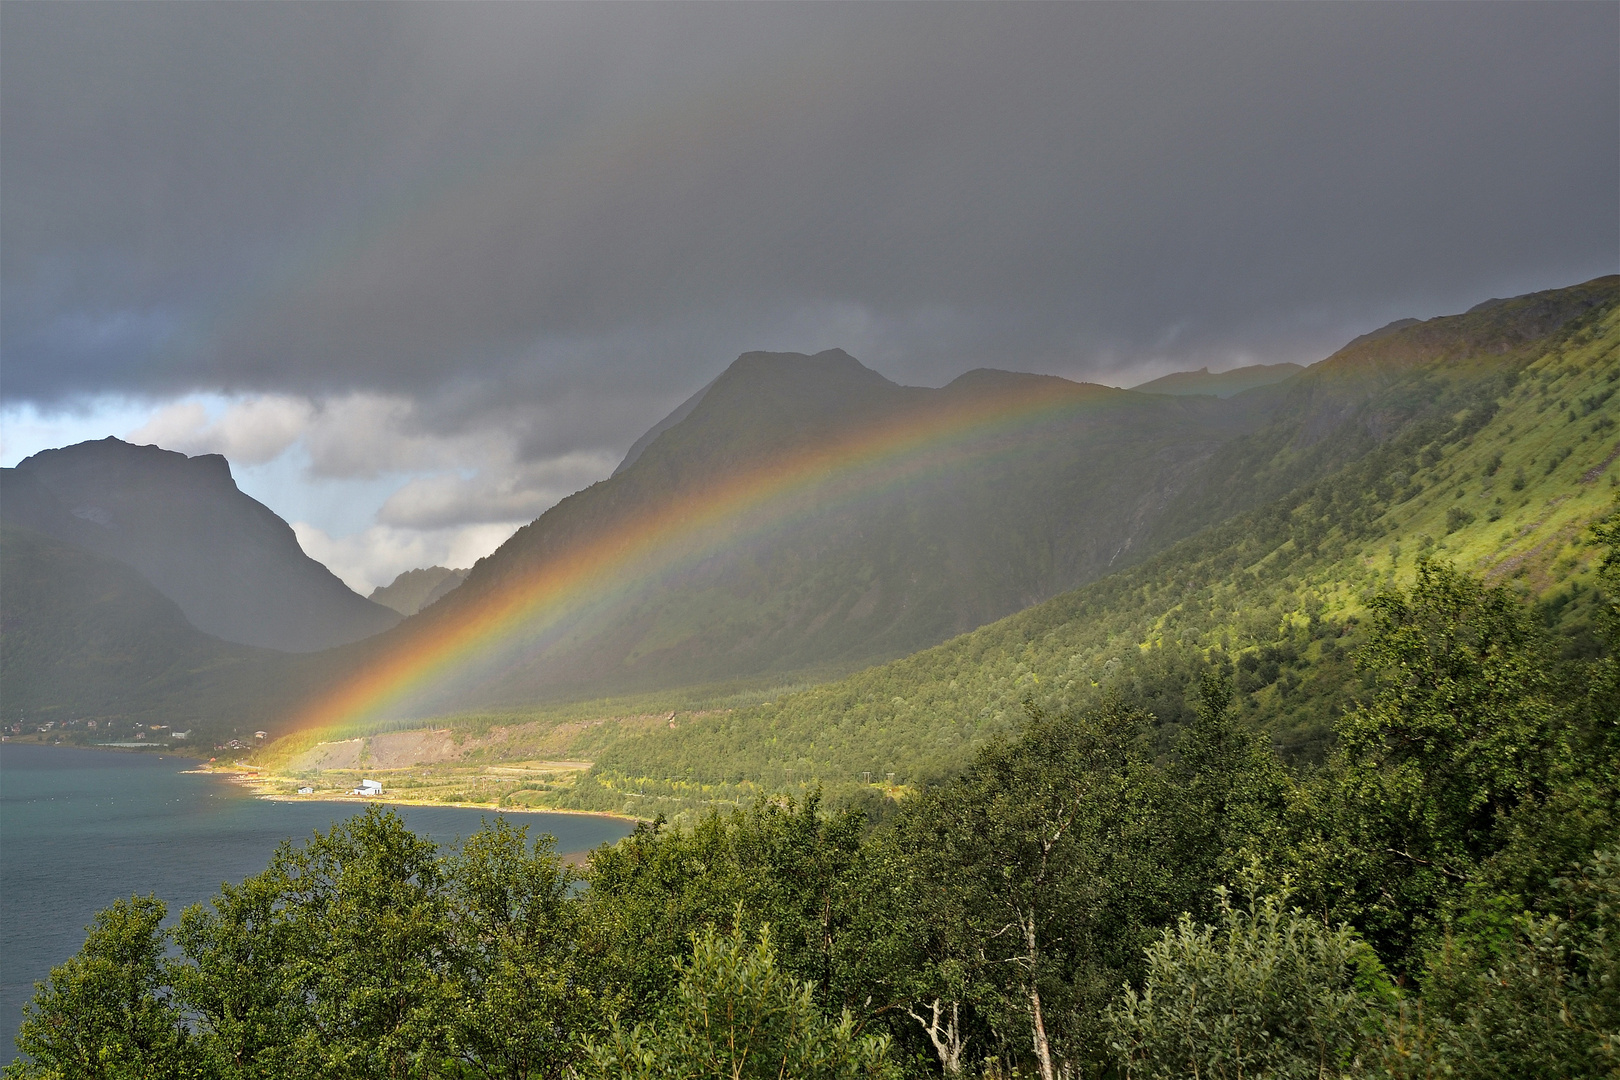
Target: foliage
{"x": 1465, "y": 731}
{"x": 104, "y": 1015}
{"x": 790, "y": 866}
{"x": 1268, "y": 992}
{"x": 735, "y": 1014}
{"x": 1541, "y": 999}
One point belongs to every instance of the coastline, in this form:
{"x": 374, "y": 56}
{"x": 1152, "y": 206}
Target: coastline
{"x": 260, "y": 783}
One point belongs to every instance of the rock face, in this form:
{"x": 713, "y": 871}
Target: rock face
{"x": 231, "y": 565}
{"x": 414, "y": 590}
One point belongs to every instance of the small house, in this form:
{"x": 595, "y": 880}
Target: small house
{"x": 306, "y": 791}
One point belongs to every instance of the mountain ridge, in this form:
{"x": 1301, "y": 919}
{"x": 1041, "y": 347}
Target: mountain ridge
{"x": 232, "y": 565}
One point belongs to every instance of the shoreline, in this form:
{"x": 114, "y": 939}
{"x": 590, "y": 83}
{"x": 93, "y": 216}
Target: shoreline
{"x": 257, "y": 781}
{"x": 252, "y": 779}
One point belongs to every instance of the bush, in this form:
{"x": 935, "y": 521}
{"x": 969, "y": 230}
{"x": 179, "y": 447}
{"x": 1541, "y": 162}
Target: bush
{"x": 1268, "y": 993}
{"x": 736, "y": 1014}
{"x": 1544, "y": 1002}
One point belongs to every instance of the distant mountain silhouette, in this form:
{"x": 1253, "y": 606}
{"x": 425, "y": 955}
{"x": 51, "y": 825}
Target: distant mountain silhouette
{"x": 234, "y": 568}
{"x": 414, "y": 590}
{"x": 1222, "y": 383}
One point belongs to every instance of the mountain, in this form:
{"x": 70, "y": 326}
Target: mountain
{"x": 1221, "y": 384}
{"x": 1489, "y": 441}
{"x": 231, "y": 565}
{"x": 414, "y": 590}
{"x": 803, "y": 516}
{"x": 806, "y": 514}
{"x": 806, "y": 518}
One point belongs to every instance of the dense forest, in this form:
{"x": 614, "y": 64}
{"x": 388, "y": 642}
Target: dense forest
{"x": 1435, "y": 895}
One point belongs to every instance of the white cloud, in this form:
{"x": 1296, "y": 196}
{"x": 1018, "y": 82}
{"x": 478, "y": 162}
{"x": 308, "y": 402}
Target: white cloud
{"x": 381, "y": 553}
{"x": 248, "y": 431}
{"x": 511, "y": 494}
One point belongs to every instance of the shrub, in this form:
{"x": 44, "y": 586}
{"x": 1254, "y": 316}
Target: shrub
{"x": 1268, "y": 993}
{"x": 736, "y": 1014}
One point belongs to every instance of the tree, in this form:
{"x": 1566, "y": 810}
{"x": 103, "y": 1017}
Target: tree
{"x": 1268, "y": 992}
{"x": 1228, "y": 793}
{"x": 1467, "y": 729}
{"x": 105, "y": 1013}
{"x": 1543, "y": 999}
{"x": 522, "y": 1007}
{"x": 735, "y": 1014}
{"x": 331, "y": 960}
{"x": 788, "y": 864}
{"x": 1035, "y": 870}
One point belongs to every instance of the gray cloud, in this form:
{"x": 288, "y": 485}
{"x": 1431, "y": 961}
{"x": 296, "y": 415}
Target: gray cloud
{"x": 561, "y": 219}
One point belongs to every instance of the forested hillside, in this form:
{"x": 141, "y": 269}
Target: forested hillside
{"x": 1485, "y": 440}
{"x": 90, "y": 652}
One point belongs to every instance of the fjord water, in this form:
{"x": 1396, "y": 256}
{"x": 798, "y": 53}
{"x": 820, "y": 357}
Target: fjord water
{"x": 81, "y": 828}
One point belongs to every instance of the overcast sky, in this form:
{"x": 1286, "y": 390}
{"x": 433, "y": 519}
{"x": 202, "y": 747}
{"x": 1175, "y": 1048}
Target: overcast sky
{"x": 419, "y": 270}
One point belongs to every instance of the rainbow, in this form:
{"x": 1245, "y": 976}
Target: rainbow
{"x": 656, "y": 541}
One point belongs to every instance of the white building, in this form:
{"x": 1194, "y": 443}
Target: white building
{"x": 368, "y": 787}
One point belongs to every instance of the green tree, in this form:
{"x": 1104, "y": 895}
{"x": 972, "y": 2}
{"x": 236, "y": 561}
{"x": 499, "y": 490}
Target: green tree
{"x": 1268, "y": 992}
{"x": 736, "y": 1015}
{"x": 1468, "y": 728}
{"x": 1037, "y": 869}
{"x": 331, "y": 960}
{"x": 1228, "y": 794}
{"x": 787, "y": 864}
{"x": 105, "y": 1014}
{"x": 1542, "y": 999}
{"x": 521, "y": 1008}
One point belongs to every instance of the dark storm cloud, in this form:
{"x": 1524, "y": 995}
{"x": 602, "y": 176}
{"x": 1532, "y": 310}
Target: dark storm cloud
{"x": 479, "y": 206}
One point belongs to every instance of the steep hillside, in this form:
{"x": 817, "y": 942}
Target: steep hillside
{"x": 84, "y": 638}
{"x": 234, "y": 568}
{"x": 1487, "y": 438}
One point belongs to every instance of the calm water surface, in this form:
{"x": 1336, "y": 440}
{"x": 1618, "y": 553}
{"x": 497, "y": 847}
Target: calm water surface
{"x": 81, "y": 828}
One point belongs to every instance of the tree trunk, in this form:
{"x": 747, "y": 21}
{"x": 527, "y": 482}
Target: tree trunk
{"x": 1043, "y": 1049}
{"x": 945, "y": 1034}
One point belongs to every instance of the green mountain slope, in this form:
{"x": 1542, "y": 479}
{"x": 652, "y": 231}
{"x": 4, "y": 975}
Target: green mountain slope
{"x": 1498, "y": 444}
{"x": 86, "y": 638}
{"x": 83, "y": 636}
